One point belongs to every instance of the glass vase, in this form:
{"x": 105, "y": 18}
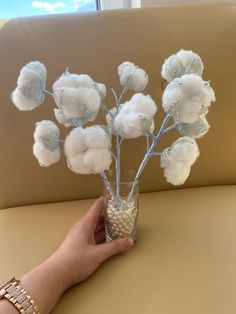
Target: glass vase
{"x": 121, "y": 204}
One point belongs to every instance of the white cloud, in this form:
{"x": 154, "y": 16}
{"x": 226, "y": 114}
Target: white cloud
{"x": 49, "y": 7}
{"x": 80, "y": 3}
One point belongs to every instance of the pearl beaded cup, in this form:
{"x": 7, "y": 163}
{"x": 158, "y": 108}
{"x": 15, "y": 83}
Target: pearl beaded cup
{"x": 121, "y": 221}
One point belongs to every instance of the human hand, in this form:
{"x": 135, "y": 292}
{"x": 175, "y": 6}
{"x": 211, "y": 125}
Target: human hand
{"x": 78, "y": 257}
{"x": 81, "y": 253}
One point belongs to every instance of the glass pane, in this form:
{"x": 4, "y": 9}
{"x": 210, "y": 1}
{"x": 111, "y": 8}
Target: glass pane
{"x": 16, "y": 8}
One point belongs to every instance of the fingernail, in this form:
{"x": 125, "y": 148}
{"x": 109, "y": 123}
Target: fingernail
{"x": 129, "y": 243}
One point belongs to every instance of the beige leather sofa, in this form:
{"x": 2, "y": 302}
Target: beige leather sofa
{"x": 184, "y": 261}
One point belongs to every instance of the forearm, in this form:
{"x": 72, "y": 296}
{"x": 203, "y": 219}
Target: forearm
{"x": 45, "y": 284}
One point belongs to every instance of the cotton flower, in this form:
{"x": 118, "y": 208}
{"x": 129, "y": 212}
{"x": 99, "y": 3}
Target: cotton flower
{"x": 78, "y": 96}
{"x": 183, "y": 62}
{"x": 196, "y": 130}
{"x": 46, "y": 147}
{"x": 178, "y": 159}
{"x": 73, "y": 80}
{"x": 132, "y": 77}
{"x": 31, "y": 83}
{"x": 101, "y": 89}
{"x": 88, "y": 150}
{"x": 136, "y": 116}
{"x": 187, "y": 98}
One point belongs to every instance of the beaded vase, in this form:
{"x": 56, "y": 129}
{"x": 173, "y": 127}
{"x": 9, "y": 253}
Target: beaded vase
{"x": 121, "y": 205}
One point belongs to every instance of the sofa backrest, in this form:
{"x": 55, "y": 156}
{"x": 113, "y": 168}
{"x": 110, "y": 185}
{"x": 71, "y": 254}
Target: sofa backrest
{"x": 96, "y": 43}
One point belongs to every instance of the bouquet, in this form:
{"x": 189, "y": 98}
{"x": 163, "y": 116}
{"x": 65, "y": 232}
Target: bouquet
{"x": 186, "y": 101}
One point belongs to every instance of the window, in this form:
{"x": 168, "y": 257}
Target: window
{"x": 16, "y": 8}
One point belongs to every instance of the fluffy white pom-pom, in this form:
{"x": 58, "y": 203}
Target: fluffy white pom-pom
{"x": 45, "y": 157}
{"x": 132, "y": 77}
{"x": 196, "y": 130}
{"x": 187, "y": 98}
{"x": 97, "y": 137}
{"x": 176, "y": 173}
{"x": 46, "y": 147}
{"x": 78, "y": 96}
{"x": 184, "y": 62}
{"x": 178, "y": 159}
{"x": 73, "y": 80}
{"x": 185, "y": 150}
{"x": 77, "y": 165}
{"x": 136, "y": 116}
{"x": 132, "y": 124}
{"x": 143, "y": 104}
{"x": 78, "y": 102}
{"x": 88, "y": 150}
{"x": 31, "y": 83}
{"x": 75, "y": 142}
{"x": 98, "y": 160}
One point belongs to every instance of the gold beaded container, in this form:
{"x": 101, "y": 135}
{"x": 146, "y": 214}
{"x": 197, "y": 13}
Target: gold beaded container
{"x": 121, "y": 205}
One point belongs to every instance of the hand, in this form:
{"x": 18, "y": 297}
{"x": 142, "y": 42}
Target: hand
{"x": 76, "y": 259}
{"x": 80, "y": 254}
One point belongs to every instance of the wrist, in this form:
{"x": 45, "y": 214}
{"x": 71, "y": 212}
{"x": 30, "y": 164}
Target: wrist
{"x": 45, "y": 283}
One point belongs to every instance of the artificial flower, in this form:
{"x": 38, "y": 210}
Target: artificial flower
{"x": 31, "y": 83}
{"x": 187, "y": 98}
{"x": 46, "y": 146}
{"x": 183, "y": 62}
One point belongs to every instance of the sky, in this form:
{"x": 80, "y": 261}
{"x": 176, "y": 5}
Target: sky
{"x": 16, "y": 8}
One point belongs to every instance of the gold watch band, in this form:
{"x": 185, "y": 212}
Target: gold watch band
{"x": 15, "y": 293}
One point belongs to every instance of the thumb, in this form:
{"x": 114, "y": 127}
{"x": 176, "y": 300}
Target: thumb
{"x": 114, "y": 247}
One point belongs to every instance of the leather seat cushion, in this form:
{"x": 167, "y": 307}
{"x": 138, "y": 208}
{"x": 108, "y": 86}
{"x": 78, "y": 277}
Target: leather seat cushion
{"x": 184, "y": 261}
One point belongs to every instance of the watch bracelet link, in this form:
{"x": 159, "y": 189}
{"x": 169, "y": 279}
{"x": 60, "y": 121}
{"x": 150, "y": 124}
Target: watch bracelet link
{"x": 12, "y": 291}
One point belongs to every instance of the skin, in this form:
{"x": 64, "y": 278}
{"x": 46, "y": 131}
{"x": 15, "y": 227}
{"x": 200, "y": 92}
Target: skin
{"x": 77, "y": 258}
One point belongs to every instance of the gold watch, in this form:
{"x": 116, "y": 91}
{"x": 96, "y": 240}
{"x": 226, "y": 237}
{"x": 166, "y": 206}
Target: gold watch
{"x": 12, "y": 291}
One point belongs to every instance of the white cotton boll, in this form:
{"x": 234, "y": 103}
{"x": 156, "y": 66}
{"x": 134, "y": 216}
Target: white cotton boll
{"x": 97, "y": 137}
{"x": 132, "y": 125}
{"x": 77, "y": 165}
{"x": 187, "y": 98}
{"x": 128, "y": 125}
{"x": 73, "y": 80}
{"x": 31, "y": 82}
{"x": 126, "y": 107}
{"x": 132, "y": 77}
{"x": 62, "y": 119}
{"x": 88, "y": 150}
{"x": 143, "y": 104}
{"x": 101, "y": 89}
{"x": 27, "y": 75}
{"x": 184, "y": 62}
{"x": 184, "y": 150}
{"x": 46, "y": 147}
{"x": 176, "y": 173}
{"x": 78, "y": 102}
{"x": 39, "y": 68}
{"x": 75, "y": 142}
{"x": 47, "y": 130}
{"x": 125, "y": 64}
{"x": 191, "y": 61}
{"x": 45, "y": 157}
{"x": 98, "y": 160}
{"x": 21, "y": 102}
{"x": 196, "y": 130}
